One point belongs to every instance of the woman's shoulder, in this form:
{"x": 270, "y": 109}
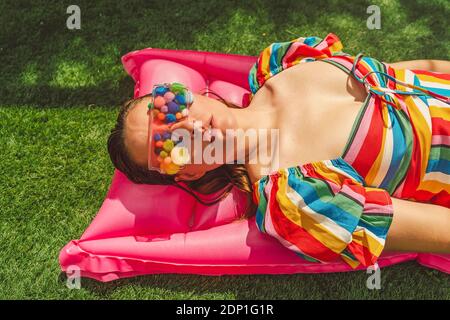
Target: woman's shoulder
{"x": 279, "y": 56}
{"x": 335, "y": 170}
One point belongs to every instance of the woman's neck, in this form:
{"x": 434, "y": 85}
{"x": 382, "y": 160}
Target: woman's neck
{"x": 259, "y": 132}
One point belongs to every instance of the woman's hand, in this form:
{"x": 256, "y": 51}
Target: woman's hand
{"x": 199, "y": 114}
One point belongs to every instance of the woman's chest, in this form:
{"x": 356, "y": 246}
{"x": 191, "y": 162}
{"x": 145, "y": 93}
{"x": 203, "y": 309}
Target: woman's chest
{"x": 317, "y": 106}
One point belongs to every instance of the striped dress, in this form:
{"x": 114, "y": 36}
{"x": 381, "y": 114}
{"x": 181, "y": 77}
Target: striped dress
{"x": 399, "y": 146}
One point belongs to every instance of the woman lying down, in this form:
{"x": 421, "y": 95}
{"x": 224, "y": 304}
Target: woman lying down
{"x": 359, "y": 149}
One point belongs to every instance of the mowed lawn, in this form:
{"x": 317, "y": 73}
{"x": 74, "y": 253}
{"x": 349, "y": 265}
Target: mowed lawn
{"x": 59, "y": 95}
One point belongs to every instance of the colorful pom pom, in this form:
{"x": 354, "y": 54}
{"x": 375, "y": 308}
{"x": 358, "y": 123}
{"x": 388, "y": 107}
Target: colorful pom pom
{"x": 161, "y": 90}
{"x": 169, "y": 96}
{"x": 166, "y": 135}
{"x": 161, "y": 116}
{"x": 163, "y": 154}
{"x": 170, "y": 168}
{"x": 159, "y": 102}
{"x": 156, "y": 137}
{"x": 180, "y": 99}
{"x": 170, "y": 117}
{"x": 167, "y": 160}
{"x": 164, "y": 109}
{"x": 159, "y": 144}
{"x": 180, "y": 155}
{"x": 177, "y": 87}
{"x": 173, "y": 107}
{"x": 168, "y": 145}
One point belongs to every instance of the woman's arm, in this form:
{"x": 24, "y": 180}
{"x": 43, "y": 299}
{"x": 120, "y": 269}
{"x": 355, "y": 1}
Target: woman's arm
{"x": 428, "y": 65}
{"x": 419, "y": 227}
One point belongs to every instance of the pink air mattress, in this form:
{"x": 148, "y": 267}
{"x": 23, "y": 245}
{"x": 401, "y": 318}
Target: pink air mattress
{"x": 149, "y": 229}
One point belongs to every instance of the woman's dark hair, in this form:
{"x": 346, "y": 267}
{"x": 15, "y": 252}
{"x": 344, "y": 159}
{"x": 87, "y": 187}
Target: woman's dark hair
{"x": 223, "y": 178}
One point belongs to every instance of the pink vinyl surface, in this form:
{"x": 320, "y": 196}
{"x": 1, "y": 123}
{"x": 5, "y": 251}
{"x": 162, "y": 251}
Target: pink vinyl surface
{"x": 149, "y": 229}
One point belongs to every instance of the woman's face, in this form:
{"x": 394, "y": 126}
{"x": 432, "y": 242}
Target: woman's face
{"x": 205, "y": 111}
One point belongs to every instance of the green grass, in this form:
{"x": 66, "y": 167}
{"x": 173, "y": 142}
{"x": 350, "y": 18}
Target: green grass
{"x": 59, "y": 95}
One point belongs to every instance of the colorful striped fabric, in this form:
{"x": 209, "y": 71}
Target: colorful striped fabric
{"x": 399, "y": 146}
{"x": 323, "y": 212}
{"x": 401, "y": 139}
{"x": 282, "y": 55}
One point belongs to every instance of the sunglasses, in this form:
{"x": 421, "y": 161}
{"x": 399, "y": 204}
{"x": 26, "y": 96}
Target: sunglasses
{"x": 170, "y": 104}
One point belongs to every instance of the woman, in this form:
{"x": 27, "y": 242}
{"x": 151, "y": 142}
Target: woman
{"x": 363, "y": 151}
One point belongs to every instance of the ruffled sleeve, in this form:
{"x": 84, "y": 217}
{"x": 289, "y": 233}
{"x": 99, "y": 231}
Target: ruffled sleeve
{"x": 282, "y": 55}
{"x": 324, "y": 212}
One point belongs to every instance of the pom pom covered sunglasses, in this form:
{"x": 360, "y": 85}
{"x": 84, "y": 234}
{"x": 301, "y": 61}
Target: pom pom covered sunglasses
{"x": 170, "y": 104}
